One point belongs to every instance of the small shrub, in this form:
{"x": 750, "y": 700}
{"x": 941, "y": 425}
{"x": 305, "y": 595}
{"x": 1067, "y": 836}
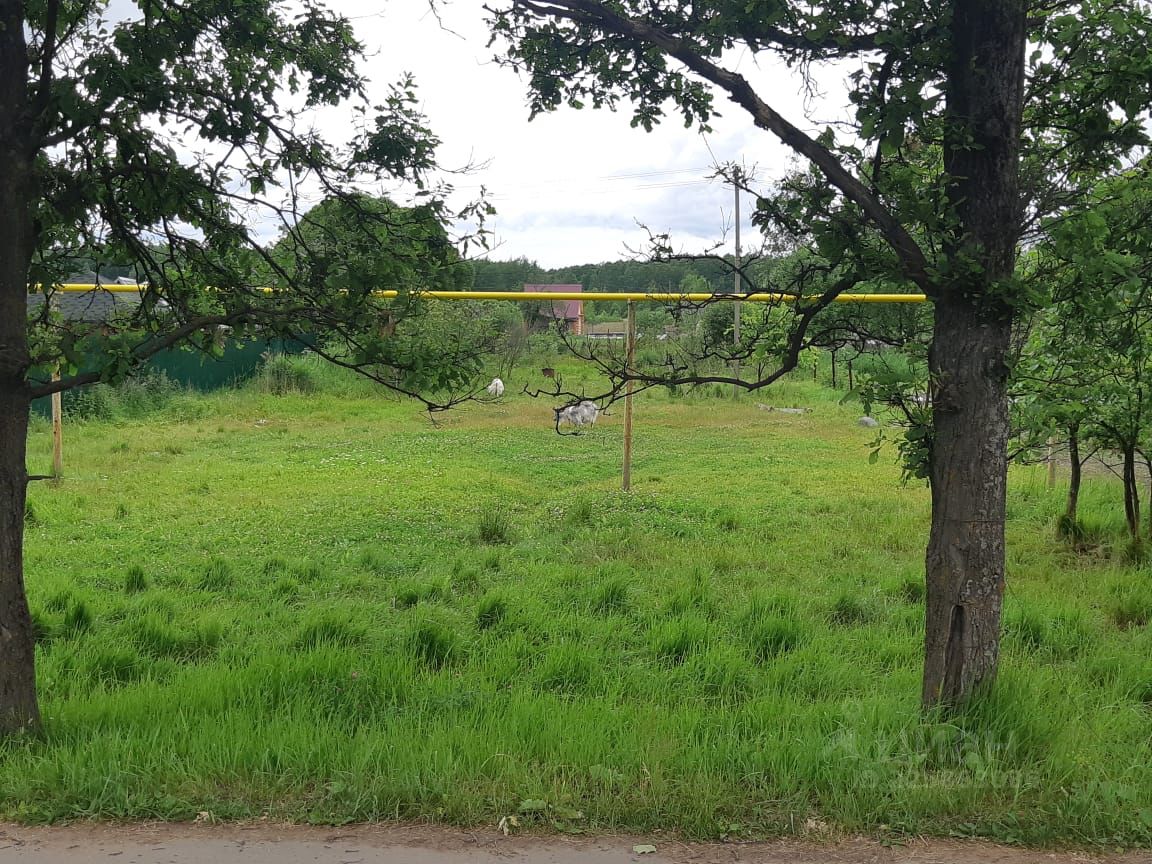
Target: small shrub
{"x": 435, "y": 645}
{"x": 144, "y": 393}
{"x": 88, "y": 403}
{"x": 134, "y": 580}
{"x": 493, "y": 528}
{"x": 282, "y": 375}
{"x": 491, "y": 610}
{"x": 217, "y": 576}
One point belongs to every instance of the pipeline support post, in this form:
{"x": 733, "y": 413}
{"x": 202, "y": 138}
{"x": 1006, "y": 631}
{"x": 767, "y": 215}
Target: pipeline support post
{"x": 57, "y": 416}
{"x": 631, "y": 358}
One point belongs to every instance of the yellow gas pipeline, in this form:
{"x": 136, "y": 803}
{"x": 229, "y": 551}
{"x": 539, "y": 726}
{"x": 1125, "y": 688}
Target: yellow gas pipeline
{"x": 606, "y": 296}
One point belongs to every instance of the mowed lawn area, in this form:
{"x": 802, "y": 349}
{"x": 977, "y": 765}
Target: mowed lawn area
{"x": 325, "y": 608}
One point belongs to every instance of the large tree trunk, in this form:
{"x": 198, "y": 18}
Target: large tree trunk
{"x": 967, "y": 362}
{"x": 969, "y": 467}
{"x": 18, "y": 709}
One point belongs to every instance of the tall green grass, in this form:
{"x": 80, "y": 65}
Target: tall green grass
{"x": 319, "y": 606}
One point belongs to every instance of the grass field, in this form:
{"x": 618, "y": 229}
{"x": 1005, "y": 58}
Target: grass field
{"x": 324, "y": 608}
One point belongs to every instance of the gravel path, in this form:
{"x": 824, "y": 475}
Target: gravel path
{"x": 265, "y": 843}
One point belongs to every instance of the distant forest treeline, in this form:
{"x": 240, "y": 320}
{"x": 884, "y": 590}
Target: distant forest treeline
{"x": 608, "y": 276}
{"x": 702, "y": 275}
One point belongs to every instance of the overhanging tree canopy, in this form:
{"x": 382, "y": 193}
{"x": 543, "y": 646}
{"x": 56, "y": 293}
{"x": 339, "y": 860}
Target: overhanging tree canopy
{"x": 168, "y": 141}
{"x": 973, "y": 120}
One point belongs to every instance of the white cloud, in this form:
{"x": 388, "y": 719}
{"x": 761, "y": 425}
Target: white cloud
{"x": 570, "y": 186}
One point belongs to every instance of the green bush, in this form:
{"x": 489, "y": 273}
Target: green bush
{"x": 281, "y": 374}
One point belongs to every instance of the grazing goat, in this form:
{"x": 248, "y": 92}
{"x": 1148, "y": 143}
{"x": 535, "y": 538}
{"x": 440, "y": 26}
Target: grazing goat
{"x": 496, "y": 388}
{"x": 578, "y": 415}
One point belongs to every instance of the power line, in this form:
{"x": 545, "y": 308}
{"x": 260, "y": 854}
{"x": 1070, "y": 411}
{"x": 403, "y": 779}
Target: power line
{"x": 559, "y": 181}
{"x": 528, "y": 193}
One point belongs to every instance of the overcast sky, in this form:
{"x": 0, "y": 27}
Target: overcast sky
{"x": 569, "y": 187}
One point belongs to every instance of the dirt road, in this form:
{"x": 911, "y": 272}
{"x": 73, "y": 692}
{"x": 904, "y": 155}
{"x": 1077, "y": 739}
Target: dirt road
{"x": 273, "y": 844}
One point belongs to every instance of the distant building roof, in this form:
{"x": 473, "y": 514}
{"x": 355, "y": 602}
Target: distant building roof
{"x": 94, "y": 306}
{"x": 568, "y": 310}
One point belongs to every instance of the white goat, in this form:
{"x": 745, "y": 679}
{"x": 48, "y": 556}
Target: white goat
{"x": 496, "y": 388}
{"x": 578, "y": 415}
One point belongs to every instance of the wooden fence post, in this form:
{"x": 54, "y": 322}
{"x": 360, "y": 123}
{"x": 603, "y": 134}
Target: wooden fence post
{"x": 631, "y": 353}
{"x": 57, "y": 417}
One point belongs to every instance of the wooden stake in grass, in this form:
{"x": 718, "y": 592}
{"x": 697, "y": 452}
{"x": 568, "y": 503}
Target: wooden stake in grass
{"x": 57, "y": 432}
{"x": 627, "y": 483}
{"x": 57, "y": 420}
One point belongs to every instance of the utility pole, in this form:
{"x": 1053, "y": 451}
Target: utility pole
{"x": 736, "y": 286}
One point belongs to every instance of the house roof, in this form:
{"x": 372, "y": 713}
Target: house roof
{"x": 568, "y": 310}
{"x": 92, "y": 306}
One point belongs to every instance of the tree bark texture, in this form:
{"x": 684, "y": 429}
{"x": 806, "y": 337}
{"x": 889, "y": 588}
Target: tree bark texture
{"x": 18, "y": 707}
{"x": 969, "y": 468}
{"x": 967, "y": 362}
